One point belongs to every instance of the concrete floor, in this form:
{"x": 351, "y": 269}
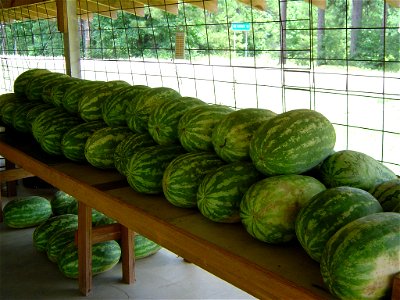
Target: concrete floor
{"x": 28, "y": 274}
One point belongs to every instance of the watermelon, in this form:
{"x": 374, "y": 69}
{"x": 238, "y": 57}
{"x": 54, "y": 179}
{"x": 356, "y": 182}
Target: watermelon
{"x": 35, "y": 111}
{"x": 8, "y": 97}
{"x": 47, "y": 95}
{"x": 43, "y": 120}
{"x": 58, "y": 241}
{"x": 270, "y": 206}
{"x": 73, "y": 209}
{"x": 46, "y": 229}
{"x": 60, "y": 202}
{"x": 74, "y": 93}
{"x": 101, "y": 145}
{"x": 361, "y": 259}
{"x": 105, "y": 256}
{"x": 113, "y": 109}
{"x": 34, "y": 90}
{"x": 221, "y": 191}
{"x": 74, "y": 140}
{"x": 196, "y": 125}
{"x": 292, "y": 142}
{"x": 231, "y": 137}
{"x": 22, "y": 81}
{"x": 146, "y": 167}
{"x": 355, "y": 169}
{"x": 26, "y": 211}
{"x": 144, "y": 247}
{"x": 7, "y": 111}
{"x": 53, "y": 134}
{"x": 327, "y": 212}
{"x": 138, "y": 111}
{"x": 103, "y": 220}
{"x": 57, "y": 91}
{"x": 184, "y": 174}
{"x": 388, "y": 195}
{"x": 19, "y": 117}
{"x": 164, "y": 119}
{"x": 128, "y": 147}
{"x": 89, "y": 105}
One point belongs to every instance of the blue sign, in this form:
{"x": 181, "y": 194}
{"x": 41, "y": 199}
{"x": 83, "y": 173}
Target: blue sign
{"x": 241, "y": 26}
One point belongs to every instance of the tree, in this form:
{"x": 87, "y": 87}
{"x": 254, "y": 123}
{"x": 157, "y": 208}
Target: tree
{"x": 320, "y": 37}
{"x": 356, "y": 17}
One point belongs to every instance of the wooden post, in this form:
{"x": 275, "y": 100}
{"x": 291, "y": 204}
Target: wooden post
{"x": 85, "y": 248}
{"x": 67, "y": 21}
{"x": 128, "y": 255}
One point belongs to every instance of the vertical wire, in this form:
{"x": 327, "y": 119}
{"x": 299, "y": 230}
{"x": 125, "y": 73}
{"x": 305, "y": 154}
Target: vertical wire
{"x": 347, "y": 76}
{"x": 383, "y": 77}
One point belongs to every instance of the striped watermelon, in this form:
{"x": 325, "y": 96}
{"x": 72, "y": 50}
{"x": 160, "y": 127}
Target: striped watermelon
{"x": 269, "y": 207}
{"x": 74, "y": 93}
{"x": 292, "y": 142}
{"x": 101, "y": 145}
{"x": 73, "y": 209}
{"x": 7, "y": 111}
{"x": 19, "y": 117}
{"x": 74, "y": 140}
{"x": 138, "y": 111}
{"x": 196, "y": 125}
{"x": 184, "y": 174}
{"x": 362, "y": 258}
{"x": 22, "y": 81}
{"x": 26, "y": 211}
{"x": 113, "y": 109}
{"x": 327, "y": 212}
{"x": 89, "y": 105}
{"x": 105, "y": 256}
{"x": 42, "y": 121}
{"x": 58, "y": 241}
{"x": 164, "y": 119}
{"x": 231, "y": 137}
{"x": 47, "y": 95}
{"x": 104, "y": 220}
{"x": 57, "y": 91}
{"x": 146, "y": 167}
{"x": 60, "y": 202}
{"x": 355, "y": 169}
{"x": 52, "y": 133}
{"x": 34, "y": 90}
{"x": 388, "y": 195}
{"x": 5, "y": 98}
{"x": 221, "y": 191}
{"x": 128, "y": 147}
{"x": 35, "y": 111}
{"x": 144, "y": 247}
{"x": 46, "y": 229}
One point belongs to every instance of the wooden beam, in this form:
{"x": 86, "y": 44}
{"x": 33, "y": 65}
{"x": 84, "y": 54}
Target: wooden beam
{"x": 14, "y": 174}
{"x": 128, "y": 255}
{"x": 209, "y": 5}
{"x": 257, "y": 4}
{"x": 16, "y": 3}
{"x": 318, "y": 3}
{"x": 170, "y": 6}
{"x": 394, "y": 3}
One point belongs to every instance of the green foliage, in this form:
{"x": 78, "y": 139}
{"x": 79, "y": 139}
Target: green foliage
{"x": 153, "y": 36}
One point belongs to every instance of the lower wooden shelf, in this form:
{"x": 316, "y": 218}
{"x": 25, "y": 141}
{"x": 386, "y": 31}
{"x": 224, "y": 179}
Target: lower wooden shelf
{"x": 226, "y": 250}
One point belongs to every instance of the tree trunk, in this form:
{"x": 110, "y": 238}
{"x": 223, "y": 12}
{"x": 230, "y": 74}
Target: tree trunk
{"x": 320, "y": 37}
{"x": 283, "y": 13}
{"x": 383, "y": 32}
{"x": 3, "y": 39}
{"x": 356, "y": 17}
{"x": 85, "y": 34}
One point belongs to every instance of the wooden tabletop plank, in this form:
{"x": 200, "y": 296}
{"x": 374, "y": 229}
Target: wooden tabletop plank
{"x": 226, "y": 250}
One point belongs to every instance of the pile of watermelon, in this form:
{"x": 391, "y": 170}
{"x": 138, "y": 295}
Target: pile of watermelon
{"x": 56, "y": 222}
{"x": 277, "y": 174}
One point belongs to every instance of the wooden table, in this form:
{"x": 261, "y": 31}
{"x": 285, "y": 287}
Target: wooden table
{"x": 226, "y": 250}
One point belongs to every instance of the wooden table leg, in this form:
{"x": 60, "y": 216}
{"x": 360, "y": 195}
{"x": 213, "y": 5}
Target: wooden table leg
{"x": 128, "y": 255}
{"x": 85, "y": 248}
{"x": 396, "y": 287}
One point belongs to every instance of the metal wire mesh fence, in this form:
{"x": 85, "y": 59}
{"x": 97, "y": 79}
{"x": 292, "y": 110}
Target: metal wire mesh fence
{"x": 341, "y": 58}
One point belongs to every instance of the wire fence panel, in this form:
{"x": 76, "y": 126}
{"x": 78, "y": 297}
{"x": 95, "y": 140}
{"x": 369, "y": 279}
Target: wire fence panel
{"x": 336, "y": 58}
